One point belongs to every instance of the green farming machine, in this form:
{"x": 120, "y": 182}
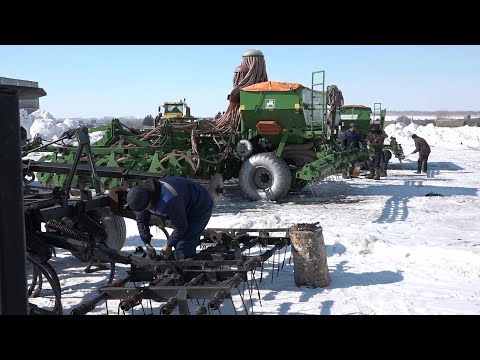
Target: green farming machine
{"x": 283, "y": 140}
{"x": 363, "y": 117}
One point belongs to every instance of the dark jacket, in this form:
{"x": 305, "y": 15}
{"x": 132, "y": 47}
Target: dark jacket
{"x": 181, "y": 201}
{"x": 421, "y": 146}
{"x": 350, "y": 139}
{"x": 376, "y": 138}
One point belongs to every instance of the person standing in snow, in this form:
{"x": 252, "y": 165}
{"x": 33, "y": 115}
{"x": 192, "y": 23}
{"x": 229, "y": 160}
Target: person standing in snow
{"x": 187, "y": 204}
{"x": 423, "y": 149}
{"x": 375, "y": 139}
{"x": 350, "y": 139}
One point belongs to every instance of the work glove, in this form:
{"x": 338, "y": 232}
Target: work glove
{"x": 166, "y": 251}
{"x": 151, "y": 252}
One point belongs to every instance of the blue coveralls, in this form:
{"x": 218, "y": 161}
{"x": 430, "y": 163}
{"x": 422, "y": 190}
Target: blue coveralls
{"x": 350, "y": 139}
{"x": 188, "y": 205}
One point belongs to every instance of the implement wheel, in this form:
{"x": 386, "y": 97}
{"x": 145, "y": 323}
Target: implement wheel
{"x": 114, "y": 226}
{"x": 265, "y": 176}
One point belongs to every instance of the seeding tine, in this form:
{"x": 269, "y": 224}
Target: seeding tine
{"x": 261, "y": 274}
{"x": 243, "y": 302}
{"x": 243, "y": 287}
{"x": 151, "y": 306}
{"x": 284, "y": 256}
{"x": 273, "y": 266}
{"x": 233, "y": 305}
{"x": 250, "y": 287}
{"x": 106, "y": 306}
{"x": 251, "y": 300}
{"x": 278, "y": 263}
{"x": 112, "y": 273}
{"x": 254, "y": 281}
{"x": 258, "y": 291}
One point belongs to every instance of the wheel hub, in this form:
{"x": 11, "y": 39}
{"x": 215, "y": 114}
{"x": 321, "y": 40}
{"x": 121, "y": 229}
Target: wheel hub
{"x": 263, "y": 178}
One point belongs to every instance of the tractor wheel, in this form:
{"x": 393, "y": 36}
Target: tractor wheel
{"x": 265, "y": 176}
{"x": 114, "y": 226}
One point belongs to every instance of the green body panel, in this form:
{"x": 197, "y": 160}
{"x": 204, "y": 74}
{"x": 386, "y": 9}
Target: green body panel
{"x": 291, "y": 110}
{"x": 272, "y": 105}
{"x": 359, "y": 115}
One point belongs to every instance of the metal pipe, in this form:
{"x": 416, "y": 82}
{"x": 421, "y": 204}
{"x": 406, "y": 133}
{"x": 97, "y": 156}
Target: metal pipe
{"x": 217, "y": 300}
{"x": 201, "y": 310}
{"x": 169, "y": 306}
{"x": 88, "y": 306}
{"x": 131, "y": 302}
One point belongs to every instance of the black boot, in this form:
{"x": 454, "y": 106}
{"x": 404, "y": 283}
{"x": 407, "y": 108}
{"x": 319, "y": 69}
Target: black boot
{"x": 419, "y": 166}
{"x": 371, "y": 174}
{"x": 377, "y": 174}
{"x": 425, "y": 167}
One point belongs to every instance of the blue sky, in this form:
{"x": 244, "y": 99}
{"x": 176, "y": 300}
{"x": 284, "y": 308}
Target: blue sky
{"x": 106, "y": 80}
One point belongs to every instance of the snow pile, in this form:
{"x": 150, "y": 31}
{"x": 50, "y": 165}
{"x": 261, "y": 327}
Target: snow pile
{"x": 454, "y": 138}
{"x": 95, "y": 136}
{"x": 43, "y": 123}
{"x": 48, "y": 127}
{"x": 26, "y": 121}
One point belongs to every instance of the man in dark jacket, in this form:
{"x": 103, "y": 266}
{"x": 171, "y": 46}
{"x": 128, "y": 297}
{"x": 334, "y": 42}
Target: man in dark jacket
{"x": 350, "y": 138}
{"x": 187, "y": 204}
{"x": 423, "y": 149}
{"x": 375, "y": 139}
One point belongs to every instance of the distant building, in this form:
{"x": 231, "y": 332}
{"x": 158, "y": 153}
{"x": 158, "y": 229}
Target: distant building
{"x": 29, "y": 105}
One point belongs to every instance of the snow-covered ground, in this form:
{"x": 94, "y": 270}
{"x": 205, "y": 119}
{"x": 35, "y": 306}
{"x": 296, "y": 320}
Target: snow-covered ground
{"x": 391, "y": 249}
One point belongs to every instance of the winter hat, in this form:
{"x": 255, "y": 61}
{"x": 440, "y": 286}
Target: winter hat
{"x": 414, "y": 136}
{"x": 138, "y": 198}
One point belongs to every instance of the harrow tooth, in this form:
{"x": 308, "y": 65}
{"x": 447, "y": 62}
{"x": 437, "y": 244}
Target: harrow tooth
{"x": 273, "y": 266}
{"x": 243, "y": 302}
{"x": 278, "y": 262}
{"x": 258, "y": 292}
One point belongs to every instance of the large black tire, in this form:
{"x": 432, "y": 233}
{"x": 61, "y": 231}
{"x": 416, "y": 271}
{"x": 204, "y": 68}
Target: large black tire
{"x": 265, "y": 176}
{"x": 114, "y": 226}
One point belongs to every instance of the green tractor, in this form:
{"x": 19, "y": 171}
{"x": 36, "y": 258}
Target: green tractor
{"x": 283, "y": 141}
